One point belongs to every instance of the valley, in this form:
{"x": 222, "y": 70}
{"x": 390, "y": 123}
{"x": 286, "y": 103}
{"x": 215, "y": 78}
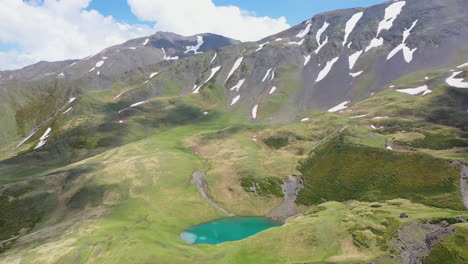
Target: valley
{"x": 358, "y": 149}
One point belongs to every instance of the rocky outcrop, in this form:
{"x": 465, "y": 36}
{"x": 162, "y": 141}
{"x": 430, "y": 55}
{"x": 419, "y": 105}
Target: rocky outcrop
{"x": 464, "y": 184}
{"x": 416, "y": 240}
{"x": 291, "y": 187}
{"x": 198, "y": 178}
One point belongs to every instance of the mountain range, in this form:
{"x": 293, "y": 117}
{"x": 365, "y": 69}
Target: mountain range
{"x": 340, "y": 127}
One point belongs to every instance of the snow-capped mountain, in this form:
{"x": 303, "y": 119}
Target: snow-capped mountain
{"x": 333, "y": 59}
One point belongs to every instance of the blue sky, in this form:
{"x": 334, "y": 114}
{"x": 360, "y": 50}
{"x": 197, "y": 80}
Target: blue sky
{"x": 72, "y": 29}
{"x": 295, "y": 11}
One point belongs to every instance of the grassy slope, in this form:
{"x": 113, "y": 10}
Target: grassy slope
{"x": 153, "y": 200}
{"x": 135, "y": 199}
{"x": 452, "y": 250}
{"x": 340, "y": 170}
{"x": 139, "y": 220}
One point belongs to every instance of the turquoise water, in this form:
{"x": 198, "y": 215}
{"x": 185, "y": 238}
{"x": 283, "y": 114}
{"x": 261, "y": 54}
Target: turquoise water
{"x": 228, "y": 229}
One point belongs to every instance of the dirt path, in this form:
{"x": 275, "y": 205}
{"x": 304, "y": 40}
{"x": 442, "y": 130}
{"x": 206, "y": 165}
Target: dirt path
{"x": 291, "y": 187}
{"x": 464, "y": 184}
{"x": 198, "y": 178}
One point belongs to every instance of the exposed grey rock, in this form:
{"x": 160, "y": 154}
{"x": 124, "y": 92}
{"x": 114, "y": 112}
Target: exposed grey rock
{"x": 464, "y": 184}
{"x": 198, "y": 178}
{"x": 403, "y": 215}
{"x": 416, "y": 240}
{"x": 291, "y": 187}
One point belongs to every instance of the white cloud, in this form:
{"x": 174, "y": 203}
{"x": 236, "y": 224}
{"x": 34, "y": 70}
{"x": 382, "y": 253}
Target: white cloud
{"x": 58, "y": 30}
{"x": 190, "y": 17}
{"x": 61, "y": 29}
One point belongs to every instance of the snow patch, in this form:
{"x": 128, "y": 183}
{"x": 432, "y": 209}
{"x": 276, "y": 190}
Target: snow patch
{"x": 297, "y": 43}
{"x": 43, "y": 139}
{"x": 456, "y": 82}
{"x": 375, "y": 42}
{"x": 71, "y": 100}
{"x": 120, "y": 94}
{"x": 339, "y": 107}
{"x": 98, "y": 73}
{"x": 407, "y": 52}
{"x": 278, "y": 39}
{"x": 358, "y": 116}
{"x": 153, "y": 74}
{"x": 462, "y": 65}
{"x": 305, "y": 31}
{"x": 92, "y": 69}
{"x": 414, "y": 91}
{"x": 104, "y": 57}
{"x": 196, "y": 47}
{"x": 391, "y": 13}
{"x": 306, "y": 59}
{"x": 260, "y": 47}
{"x": 137, "y": 104}
{"x": 68, "y": 110}
{"x": 355, "y": 74}
{"x": 266, "y": 75}
{"x": 353, "y": 59}
{"x": 380, "y": 117}
{"x": 72, "y": 64}
{"x": 254, "y": 111}
{"x": 145, "y": 42}
{"x": 213, "y": 72}
{"x": 234, "y": 67}
{"x": 273, "y": 89}
{"x": 132, "y": 48}
{"x": 272, "y": 76}
{"x": 99, "y": 64}
{"x": 305, "y": 119}
{"x": 235, "y": 100}
{"x": 351, "y": 24}
{"x": 61, "y": 74}
{"x": 214, "y": 57}
{"x": 319, "y": 36}
{"x": 389, "y": 147}
{"x": 238, "y": 85}
{"x": 324, "y": 72}
{"x": 169, "y": 57}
